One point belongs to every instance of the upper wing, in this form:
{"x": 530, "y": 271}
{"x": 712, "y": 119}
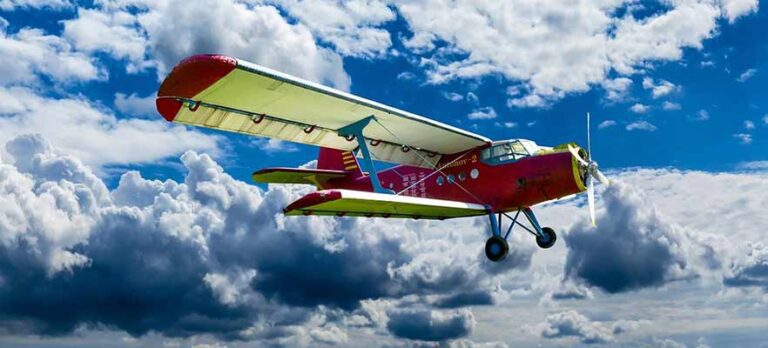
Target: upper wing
{"x": 233, "y": 95}
{"x": 370, "y": 204}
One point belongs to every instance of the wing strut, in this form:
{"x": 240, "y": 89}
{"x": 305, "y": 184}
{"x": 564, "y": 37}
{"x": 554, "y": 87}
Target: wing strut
{"x": 356, "y": 130}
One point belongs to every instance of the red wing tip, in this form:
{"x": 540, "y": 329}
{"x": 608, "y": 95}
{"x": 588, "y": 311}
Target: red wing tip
{"x": 188, "y": 78}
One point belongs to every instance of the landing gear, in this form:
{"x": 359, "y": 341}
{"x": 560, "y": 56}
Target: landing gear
{"x": 547, "y": 239}
{"x": 496, "y": 248}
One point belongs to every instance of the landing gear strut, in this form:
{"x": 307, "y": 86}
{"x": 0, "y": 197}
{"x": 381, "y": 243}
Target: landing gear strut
{"x": 496, "y": 248}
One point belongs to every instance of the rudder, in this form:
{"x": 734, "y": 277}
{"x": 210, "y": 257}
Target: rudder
{"x": 338, "y": 160}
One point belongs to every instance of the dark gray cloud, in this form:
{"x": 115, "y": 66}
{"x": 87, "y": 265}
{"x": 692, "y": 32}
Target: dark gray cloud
{"x": 430, "y": 325}
{"x": 631, "y": 248}
{"x": 206, "y": 255}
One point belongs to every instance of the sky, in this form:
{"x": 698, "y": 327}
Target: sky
{"x": 118, "y": 228}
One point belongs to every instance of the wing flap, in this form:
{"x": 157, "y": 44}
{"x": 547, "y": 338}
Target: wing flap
{"x": 369, "y": 204}
{"x": 297, "y": 176}
{"x": 233, "y": 95}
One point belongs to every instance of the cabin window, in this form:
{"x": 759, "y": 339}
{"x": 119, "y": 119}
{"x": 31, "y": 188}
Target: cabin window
{"x": 440, "y": 181}
{"x": 504, "y": 152}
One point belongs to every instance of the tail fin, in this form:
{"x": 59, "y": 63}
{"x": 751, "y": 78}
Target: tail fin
{"x": 338, "y": 160}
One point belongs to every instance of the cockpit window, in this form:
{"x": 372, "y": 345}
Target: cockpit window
{"x": 505, "y": 152}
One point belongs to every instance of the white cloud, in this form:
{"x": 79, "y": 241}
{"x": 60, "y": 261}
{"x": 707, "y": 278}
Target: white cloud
{"x": 115, "y": 32}
{"x": 746, "y": 75}
{"x": 641, "y": 125}
{"x": 452, "y": 96}
{"x": 639, "y": 108}
{"x": 606, "y": 124}
{"x": 660, "y": 89}
{"x": 702, "y": 115}
{"x": 765, "y": 119}
{"x": 573, "y": 324}
{"x": 10, "y": 5}
{"x": 749, "y": 124}
{"x": 753, "y": 165}
{"x": 736, "y": 8}
{"x": 94, "y": 135}
{"x": 617, "y": 90}
{"x": 30, "y": 52}
{"x": 669, "y": 106}
{"x": 350, "y": 26}
{"x": 135, "y": 105}
{"x": 484, "y": 113}
{"x": 131, "y": 28}
{"x": 554, "y": 49}
{"x": 744, "y": 138}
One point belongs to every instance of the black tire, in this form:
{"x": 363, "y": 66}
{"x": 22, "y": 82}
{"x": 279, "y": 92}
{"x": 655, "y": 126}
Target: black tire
{"x": 496, "y": 248}
{"x": 548, "y": 241}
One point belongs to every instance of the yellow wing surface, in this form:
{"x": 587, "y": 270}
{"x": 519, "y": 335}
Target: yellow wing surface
{"x": 237, "y": 96}
{"x": 369, "y": 204}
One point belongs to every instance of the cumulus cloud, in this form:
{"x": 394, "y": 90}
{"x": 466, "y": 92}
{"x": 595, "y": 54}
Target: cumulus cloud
{"x": 556, "y": 50}
{"x": 670, "y": 106}
{"x": 659, "y": 88}
{"x": 633, "y": 247}
{"x": 639, "y": 108}
{"x": 753, "y": 271}
{"x": 135, "y": 105}
{"x": 606, "y": 124}
{"x": 95, "y": 136}
{"x": 430, "y": 325}
{"x": 484, "y": 113}
{"x": 641, "y": 125}
{"x": 139, "y": 32}
{"x": 10, "y": 5}
{"x": 30, "y": 53}
{"x": 211, "y": 255}
{"x": 573, "y": 324}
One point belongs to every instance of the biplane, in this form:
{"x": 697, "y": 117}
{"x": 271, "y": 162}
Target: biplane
{"x": 440, "y": 172}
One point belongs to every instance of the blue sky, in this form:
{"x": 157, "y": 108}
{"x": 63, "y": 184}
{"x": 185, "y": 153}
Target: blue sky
{"x": 93, "y": 178}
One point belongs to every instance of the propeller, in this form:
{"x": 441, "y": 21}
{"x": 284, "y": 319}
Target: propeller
{"x": 592, "y": 170}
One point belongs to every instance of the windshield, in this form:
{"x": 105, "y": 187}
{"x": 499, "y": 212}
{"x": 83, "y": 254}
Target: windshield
{"x": 507, "y": 151}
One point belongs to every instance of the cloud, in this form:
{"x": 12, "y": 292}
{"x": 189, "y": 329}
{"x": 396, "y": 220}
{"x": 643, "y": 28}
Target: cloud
{"x": 30, "y": 53}
{"x": 753, "y": 165}
{"x": 273, "y": 146}
{"x": 660, "y": 89}
{"x": 617, "y": 90}
{"x": 737, "y": 8}
{"x": 573, "y": 324}
{"x": 565, "y": 51}
{"x": 129, "y": 29}
{"x": 750, "y": 272}
{"x": 639, "y": 108}
{"x": 350, "y": 26}
{"x": 633, "y": 247}
{"x": 484, "y": 113}
{"x": 135, "y": 105}
{"x": 641, "y": 125}
{"x": 85, "y": 130}
{"x": 452, "y": 96}
{"x": 749, "y": 124}
{"x": 430, "y": 325}
{"x": 765, "y": 119}
{"x": 744, "y": 138}
{"x": 669, "y": 106}
{"x": 10, "y": 5}
{"x": 201, "y": 256}
{"x": 746, "y": 75}
{"x": 463, "y": 299}
{"x": 606, "y": 124}
{"x": 702, "y": 115}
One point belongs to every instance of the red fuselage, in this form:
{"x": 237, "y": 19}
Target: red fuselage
{"x": 467, "y": 178}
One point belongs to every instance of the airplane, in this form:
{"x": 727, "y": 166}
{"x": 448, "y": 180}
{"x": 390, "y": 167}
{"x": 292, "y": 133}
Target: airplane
{"x": 441, "y": 171}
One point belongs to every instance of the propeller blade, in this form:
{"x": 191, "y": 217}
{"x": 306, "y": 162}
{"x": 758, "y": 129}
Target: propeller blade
{"x": 600, "y": 177}
{"x": 575, "y": 153}
{"x": 591, "y": 200}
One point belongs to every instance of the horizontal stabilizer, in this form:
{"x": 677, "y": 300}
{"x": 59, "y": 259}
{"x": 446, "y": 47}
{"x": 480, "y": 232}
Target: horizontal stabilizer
{"x": 297, "y": 176}
{"x": 369, "y": 204}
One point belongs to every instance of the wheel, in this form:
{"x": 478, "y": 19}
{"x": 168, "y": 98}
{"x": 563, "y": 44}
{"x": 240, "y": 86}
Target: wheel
{"x": 548, "y": 239}
{"x": 496, "y": 248}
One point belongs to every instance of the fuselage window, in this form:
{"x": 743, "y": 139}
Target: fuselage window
{"x": 440, "y": 180}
